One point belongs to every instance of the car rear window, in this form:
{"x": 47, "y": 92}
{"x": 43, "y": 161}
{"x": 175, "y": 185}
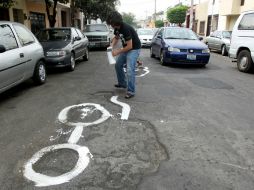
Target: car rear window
{"x": 7, "y": 38}
{"x": 96, "y": 28}
{"x": 54, "y": 35}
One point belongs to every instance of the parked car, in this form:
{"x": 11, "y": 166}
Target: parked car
{"x": 99, "y": 35}
{"x": 145, "y": 35}
{"x": 242, "y": 42}
{"x": 219, "y": 40}
{"x": 63, "y": 46}
{"x": 179, "y": 45}
{"x": 21, "y": 56}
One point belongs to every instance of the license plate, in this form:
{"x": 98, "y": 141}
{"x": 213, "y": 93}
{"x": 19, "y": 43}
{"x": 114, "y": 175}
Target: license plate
{"x": 191, "y": 57}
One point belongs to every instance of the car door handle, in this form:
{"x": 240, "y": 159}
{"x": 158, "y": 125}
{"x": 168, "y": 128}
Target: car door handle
{"x": 21, "y": 54}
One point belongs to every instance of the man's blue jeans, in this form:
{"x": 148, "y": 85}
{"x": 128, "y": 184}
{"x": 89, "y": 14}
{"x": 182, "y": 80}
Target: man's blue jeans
{"x": 129, "y": 58}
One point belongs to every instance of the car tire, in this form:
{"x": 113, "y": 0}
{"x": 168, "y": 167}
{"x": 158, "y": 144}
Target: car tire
{"x": 162, "y": 62}
{"x": 224, "y": 51}
{"x": 151, "y": 53}
{"x": 72, "y": 62}
{"x": 40, "y": 74}
{"x": 86, "y": 56}
{"x": 244, "y": 61}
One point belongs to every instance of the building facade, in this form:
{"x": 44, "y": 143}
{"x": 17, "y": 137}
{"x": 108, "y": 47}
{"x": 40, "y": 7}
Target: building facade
{"x": 32, "y": 13}
{"x": 214, "y": 15}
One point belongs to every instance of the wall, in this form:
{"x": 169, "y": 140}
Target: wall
{"x": 202, "y": 13}
{"x": 248, "y": 5}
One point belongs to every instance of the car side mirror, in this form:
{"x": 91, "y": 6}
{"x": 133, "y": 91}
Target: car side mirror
{"x": 77, "y": 38}
{"x": 2, "y": 49}
{"x": 159, "y": 36}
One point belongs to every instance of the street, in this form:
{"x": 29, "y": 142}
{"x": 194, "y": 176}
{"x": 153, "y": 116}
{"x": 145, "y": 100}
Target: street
{"x": 188, "y": 128}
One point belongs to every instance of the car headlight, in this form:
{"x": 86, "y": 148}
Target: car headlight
{"x": 172, "y": 49}
{"x": 55, "y": 53}
{"x": 205, "y": 51}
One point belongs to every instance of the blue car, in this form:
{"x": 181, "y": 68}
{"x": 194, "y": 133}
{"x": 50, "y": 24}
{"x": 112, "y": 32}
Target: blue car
{"x": 179, "y": 45}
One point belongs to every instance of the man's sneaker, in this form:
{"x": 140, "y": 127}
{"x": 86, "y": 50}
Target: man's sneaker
{"x": 119, "y": 86}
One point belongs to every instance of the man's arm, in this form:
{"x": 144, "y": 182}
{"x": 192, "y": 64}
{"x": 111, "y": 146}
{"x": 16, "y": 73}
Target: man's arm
{"x": 114, "y": 41}
{"x": 122, "y": 50}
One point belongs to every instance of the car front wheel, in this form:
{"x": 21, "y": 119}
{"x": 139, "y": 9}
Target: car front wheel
{"x": 162, "y": 62}
{"x": 39, "y": 76}
{"x": 72, "y": 63}
{"x": 151, "y": 52}
{"x": 86, "y": 56}
{"x": 224, "y": 51}
{"x": 244, "y": 61}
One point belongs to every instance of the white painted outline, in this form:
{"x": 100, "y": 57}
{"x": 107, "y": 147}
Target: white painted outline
{"x": 83, "y": 152}
{"x": 62, "y": 117}
{"x": 125, "y": 110}
{"x": 43, "y": 180}
{"x": 146, "y": 69}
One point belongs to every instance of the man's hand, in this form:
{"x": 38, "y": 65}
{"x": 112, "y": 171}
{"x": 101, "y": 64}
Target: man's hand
{"x": 116, "y": 52}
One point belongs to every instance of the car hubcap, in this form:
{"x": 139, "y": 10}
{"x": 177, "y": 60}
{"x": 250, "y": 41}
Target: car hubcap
{"x": 42, "y": 72}
{"x": 87, "y": 54}
{"x": 243, "y": 62}
{"x": 161, "y": 58}
{"x": 223, "y": 50}
{"x": 72, "y": 62}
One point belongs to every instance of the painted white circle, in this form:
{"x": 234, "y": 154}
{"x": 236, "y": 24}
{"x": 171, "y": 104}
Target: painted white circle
{"x": 44, "y": 180}
{"x": 62, "y": 117}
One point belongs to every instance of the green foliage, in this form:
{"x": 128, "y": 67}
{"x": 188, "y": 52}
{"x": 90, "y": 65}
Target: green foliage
{"x": 94, "y": 9}
{"x": 159, "y": 23}
{"x": 129, "y": 18}
{"x": 6, "y": 3}
{"x": 177, "y": 14}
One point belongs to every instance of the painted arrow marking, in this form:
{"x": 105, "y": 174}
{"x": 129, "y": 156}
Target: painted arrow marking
{"x": 125, "y": 110}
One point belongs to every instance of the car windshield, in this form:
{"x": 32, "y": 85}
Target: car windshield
{"x": 54, "y": 35}
{"x": 180, "y": 33}
{"x": 226, "y": 34}
{"x": 96, "y": 28}
{"x": 145, "y": 32}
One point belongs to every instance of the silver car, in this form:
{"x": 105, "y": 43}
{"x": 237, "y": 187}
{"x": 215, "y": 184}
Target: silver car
{"x": 99, "y": 35}
{"x": 220, "y": 41}
{"x": 21, "y": 56}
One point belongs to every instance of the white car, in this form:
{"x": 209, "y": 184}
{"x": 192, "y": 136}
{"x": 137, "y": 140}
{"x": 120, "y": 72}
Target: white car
{"x": 145, "y": 35}
{"x": 242, "y": 42}
{"x": 21, "y": 56}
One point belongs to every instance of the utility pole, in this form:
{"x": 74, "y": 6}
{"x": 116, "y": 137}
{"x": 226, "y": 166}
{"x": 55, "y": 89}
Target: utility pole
{"x": 191, "y": 15}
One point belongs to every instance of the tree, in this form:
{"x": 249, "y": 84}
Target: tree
{"x": 129, "y": 18}
{"x": 94, "y": 9}
{"x": 6, "y": 3}
{"x": 51, "y": 4}
{"x": 177, "y": 14}
{"x": 159, "y": 23}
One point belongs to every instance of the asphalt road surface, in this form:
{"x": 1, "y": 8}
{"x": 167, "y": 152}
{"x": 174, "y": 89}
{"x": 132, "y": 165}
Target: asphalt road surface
{"x": 188, "y": 128}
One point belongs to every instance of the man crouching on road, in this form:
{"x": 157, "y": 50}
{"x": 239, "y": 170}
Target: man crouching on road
{"x": 127, "y": 55}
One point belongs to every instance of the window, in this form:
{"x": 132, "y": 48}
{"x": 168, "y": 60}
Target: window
{"x": 7, "y": 38}
{"x": 247, "y": 22}
{"x": 25, "y": 37}
{"x": 80, "y": 33}
{"x": 74, "y": 33}
{"x": 18, "y": 15}
{"x": 160, "y": 33}
{"x": 242, "y": 2}
{"x": 202, "y": 28}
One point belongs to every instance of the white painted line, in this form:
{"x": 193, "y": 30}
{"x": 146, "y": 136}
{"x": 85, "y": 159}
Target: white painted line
{"x": 62, "y": 117}
{"x": 75, "y": 135}
{"x": 146, "y": 69}
{"x": 43, "y": 180}
{"x": 125, "y": 110}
